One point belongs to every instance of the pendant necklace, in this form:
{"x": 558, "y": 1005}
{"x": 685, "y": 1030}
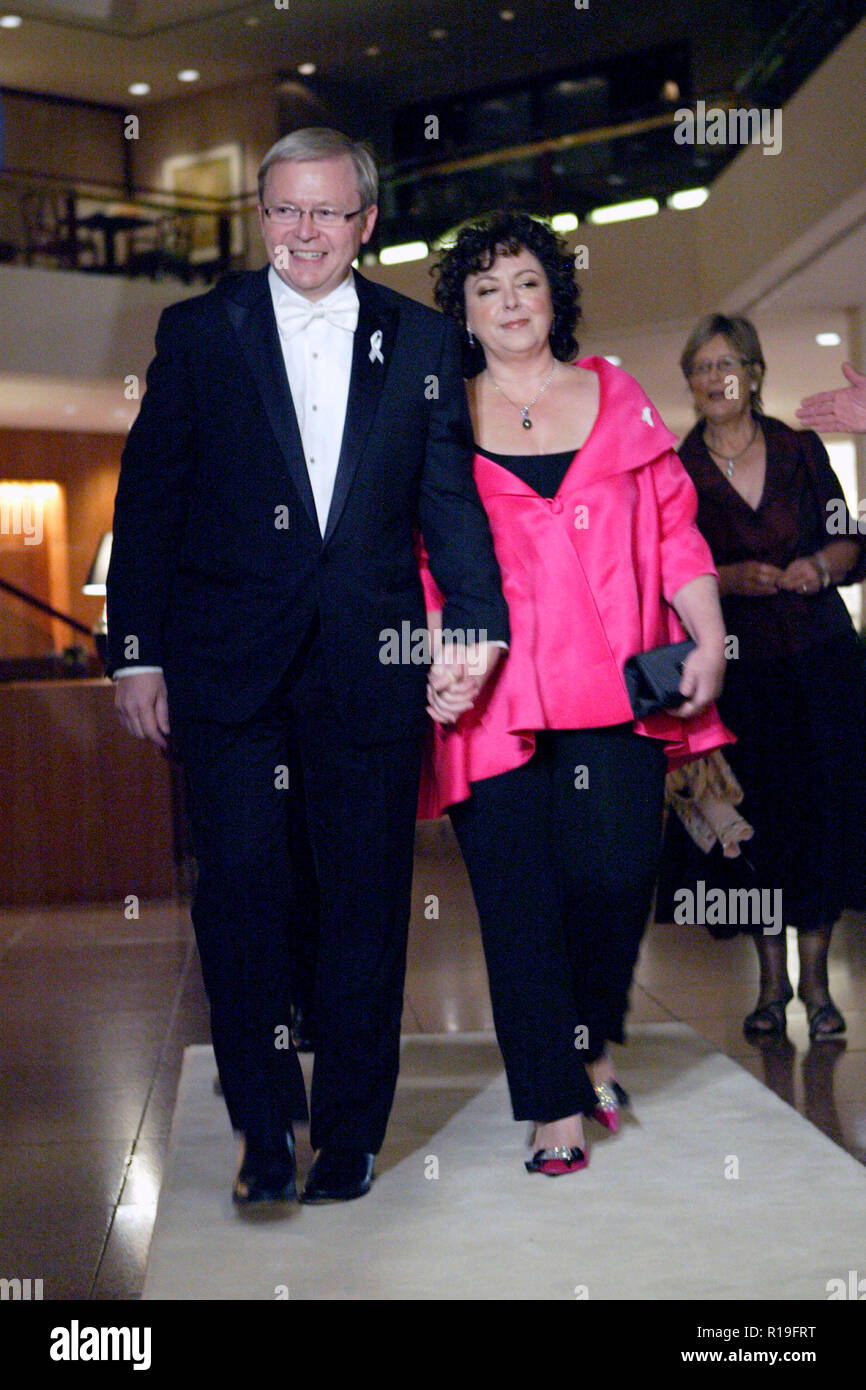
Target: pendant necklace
{"x": 731, "y": 459}
{"x": 525, "y": 409}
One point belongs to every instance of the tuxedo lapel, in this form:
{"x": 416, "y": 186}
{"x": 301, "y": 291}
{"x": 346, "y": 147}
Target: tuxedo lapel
{"x": 371, "y": 355}
{"x": 250, "y": 309}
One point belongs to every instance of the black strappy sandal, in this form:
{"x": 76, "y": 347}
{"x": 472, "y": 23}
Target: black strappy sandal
{"x": 821, "y": 1014}
{"x": 768, "y": 1021}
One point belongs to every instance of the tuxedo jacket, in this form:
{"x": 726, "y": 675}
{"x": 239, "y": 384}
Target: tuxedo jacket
{"x": 218, "y": 566}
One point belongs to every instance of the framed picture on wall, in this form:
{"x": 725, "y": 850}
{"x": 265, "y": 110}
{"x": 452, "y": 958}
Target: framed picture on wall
{"x": 212, "y": 174}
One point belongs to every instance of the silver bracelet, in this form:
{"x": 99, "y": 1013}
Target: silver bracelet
{"x": 822, "y": 570}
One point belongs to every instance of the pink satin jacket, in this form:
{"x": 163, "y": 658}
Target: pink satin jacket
{"x": 588, "y": 576}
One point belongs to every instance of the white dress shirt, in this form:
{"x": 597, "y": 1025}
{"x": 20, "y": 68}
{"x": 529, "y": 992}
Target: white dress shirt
{"x": 318, "y": 359}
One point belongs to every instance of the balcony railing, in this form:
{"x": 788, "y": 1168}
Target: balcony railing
{"x": 104, "y": 230}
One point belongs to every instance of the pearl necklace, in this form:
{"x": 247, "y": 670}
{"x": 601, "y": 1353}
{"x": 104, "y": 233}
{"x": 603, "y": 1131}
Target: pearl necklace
{"x": 525, "y": 409}
{"x": 731, "y": 459}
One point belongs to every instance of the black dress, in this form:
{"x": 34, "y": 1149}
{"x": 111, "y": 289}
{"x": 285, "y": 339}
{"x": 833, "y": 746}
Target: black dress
{"x": 795, "y": 696}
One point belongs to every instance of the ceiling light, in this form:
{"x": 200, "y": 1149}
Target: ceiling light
{"x": 507, "y": 15}
{"x": 139, "y": 89}
{"x": 372, "y": 50}
{"x": 564, "y": 222}
{"x": 408, "y": 251}
{"x": 688, "y": 198}
{"x": 827, "y": 339}
{"x": 10, "y": 21}
{"x": 187, "y": 75}
{"x": 615, "y": 180}
{"x": 438, "y": 33}
{"x": 623, "y": 212}
{"x": 252, "y": 20}
{"x": 670, "y": 90}
{"x": 306, "y": 69}
{"x": 612, "y": 358}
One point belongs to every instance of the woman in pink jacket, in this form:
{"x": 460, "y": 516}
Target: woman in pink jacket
{"x": 554, "y": 790}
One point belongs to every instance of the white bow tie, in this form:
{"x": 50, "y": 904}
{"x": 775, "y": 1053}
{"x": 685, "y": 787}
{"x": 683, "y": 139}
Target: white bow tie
{"x": 341, "y": 310}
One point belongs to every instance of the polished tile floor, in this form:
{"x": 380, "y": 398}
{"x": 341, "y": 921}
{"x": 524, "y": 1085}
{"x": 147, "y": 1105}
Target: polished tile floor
{"x": 97, "y": 1009}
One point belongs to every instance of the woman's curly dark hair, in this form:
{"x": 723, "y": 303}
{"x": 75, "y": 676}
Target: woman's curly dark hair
{"x": 476, "y": 248}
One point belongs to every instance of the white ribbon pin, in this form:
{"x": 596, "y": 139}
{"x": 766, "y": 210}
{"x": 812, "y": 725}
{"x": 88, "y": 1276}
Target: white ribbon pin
{"x": 646, "y": 414}
{"x": 376, "y": 347}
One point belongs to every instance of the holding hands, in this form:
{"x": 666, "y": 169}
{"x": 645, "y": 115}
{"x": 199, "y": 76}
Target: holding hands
{"x": 456, "y": 678}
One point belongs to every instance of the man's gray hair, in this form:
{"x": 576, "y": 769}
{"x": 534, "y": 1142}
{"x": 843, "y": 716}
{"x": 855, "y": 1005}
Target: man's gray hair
{"x": 320, "y": 142}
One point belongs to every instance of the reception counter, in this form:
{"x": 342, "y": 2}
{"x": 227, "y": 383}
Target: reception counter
{"x": 85, "y": 808}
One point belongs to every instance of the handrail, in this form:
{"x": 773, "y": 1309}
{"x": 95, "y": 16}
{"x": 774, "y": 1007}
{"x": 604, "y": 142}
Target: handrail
{"x": 45, "y": 607}
{"x": 117, "y": 192}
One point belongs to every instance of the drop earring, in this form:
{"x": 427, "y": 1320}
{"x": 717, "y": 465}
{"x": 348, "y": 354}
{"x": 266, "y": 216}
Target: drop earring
{"x": 471, "y": 337}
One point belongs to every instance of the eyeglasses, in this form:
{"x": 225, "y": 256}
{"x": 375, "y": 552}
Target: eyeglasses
{"x": 725, "y": 365}
{"x": 287, "y": 215}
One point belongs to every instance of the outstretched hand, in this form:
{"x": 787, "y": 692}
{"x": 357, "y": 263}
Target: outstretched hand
{"x": 842, "y": 411}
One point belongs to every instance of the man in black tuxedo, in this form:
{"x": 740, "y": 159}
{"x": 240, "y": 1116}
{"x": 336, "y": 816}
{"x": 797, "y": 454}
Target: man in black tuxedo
{"x": 300, "y": 424}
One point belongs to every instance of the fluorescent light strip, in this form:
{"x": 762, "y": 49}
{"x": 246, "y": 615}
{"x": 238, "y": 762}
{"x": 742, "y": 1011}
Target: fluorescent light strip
{"x": 409, "y": 251}
{"x": 623, "y": 212}
{"x": 688, "y": 198}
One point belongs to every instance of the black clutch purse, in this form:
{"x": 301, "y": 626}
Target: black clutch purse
{"x": 652, "y": 679}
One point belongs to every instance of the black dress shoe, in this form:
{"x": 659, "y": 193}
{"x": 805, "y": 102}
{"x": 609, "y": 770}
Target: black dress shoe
{"x": 338, "y": 1176}
{"x": 267, "y": 1174}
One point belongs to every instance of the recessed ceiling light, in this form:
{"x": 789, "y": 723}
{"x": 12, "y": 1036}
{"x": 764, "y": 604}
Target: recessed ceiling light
{"x": 139, "y": 89}
{"x": 438, "y": 33}
{"x": 306, "y": 69}
{"x": 372, "y": 50}
{"x": 827, "y": 339}
{"x": 670, "y": 90}
{"x": 10, "y": 21}
{"x": 564, "y": 222}
{"x": 507, "y": 15}
{"x": 615, "y": 180}
{"x": 188, "y": 75}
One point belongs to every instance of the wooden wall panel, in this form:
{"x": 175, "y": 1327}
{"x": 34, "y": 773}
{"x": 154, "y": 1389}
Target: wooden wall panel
{"x": 85, "y": 809}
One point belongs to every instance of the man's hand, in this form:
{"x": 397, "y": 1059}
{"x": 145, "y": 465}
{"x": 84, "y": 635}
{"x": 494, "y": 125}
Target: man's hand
{"x": 703, "y": 675}
{"x": 141, "y": 700}
{"x": 457, "y": 678}
{"x": 842, "y": 411}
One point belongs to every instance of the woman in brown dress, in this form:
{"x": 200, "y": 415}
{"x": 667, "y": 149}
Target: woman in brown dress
{"x": 795, "y": 687}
